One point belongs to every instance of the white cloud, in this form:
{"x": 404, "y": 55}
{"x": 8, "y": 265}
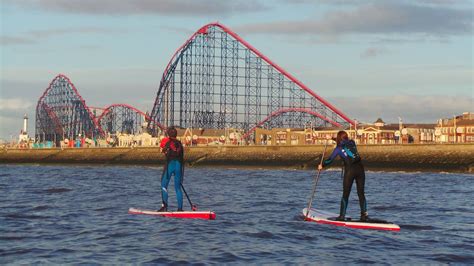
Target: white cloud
{"x": 11, "y": 116}
{"x": 31, "y": 37}
{"x": 378, "y": 18}
{"x": 14, "y": 40}
{"x": 14, "y": 104}
{"x": 137, "y": 7}
{"x": 411, "y": 108}
{"x": 373, "y": 52}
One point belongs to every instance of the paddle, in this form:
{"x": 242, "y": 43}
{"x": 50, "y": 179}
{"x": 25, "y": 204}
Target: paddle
{"x": 315, "y": 183}
{"x": 193, "y": 207}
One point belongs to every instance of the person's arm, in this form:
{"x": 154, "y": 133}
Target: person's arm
{"x": 163, "y": 144}
{"x": 329, "y": 160}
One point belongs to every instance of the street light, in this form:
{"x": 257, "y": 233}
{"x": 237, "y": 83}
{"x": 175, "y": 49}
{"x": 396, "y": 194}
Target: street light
{"x": 400, "y": 125}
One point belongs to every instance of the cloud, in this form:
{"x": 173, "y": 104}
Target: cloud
{"x": 31, "y": 37}
{"x": 138, "y": 7}
{"x": 392, "y": 18}
{"x": 14, "y": 104}
{"x": 65, "y": 31}
{"x": 11, "y": 40}
{"x": 361, "y": 2}
{"x": 180, "y": 30}
{"x": 373, "y": 52}
{"x": 11, "y": 116}
{"x": 411, "y": 108}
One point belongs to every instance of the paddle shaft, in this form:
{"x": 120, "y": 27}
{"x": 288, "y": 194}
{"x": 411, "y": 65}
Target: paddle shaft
{"x": 315, "y": 183}
{"x": 193, "y": 207}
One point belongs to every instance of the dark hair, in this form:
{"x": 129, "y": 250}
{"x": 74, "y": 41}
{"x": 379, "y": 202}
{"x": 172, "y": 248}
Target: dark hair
{"x": 341, "y": 135}
{"x": 172, "y": 132}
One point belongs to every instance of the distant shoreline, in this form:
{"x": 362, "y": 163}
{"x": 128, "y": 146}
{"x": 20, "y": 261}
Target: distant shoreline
{"x": 456, "y": 158}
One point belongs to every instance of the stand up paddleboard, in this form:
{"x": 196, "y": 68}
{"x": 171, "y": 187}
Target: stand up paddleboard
{"x": 323, "y": 217}
{"x": 206, "y": 215}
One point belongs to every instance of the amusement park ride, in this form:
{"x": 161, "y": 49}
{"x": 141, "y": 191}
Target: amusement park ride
{"x": 215, "y": 80}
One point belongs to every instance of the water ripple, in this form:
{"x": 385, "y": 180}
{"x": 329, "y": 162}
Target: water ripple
{"x": 78, "y": 215}
{"x": 55, "y": 190}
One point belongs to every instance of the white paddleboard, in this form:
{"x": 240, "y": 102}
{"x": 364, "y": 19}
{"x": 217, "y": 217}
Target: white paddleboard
{"x": 324, "y": 217}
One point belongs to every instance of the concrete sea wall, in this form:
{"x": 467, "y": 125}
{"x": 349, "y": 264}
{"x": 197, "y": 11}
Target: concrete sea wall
{"x": 408, "y": 157}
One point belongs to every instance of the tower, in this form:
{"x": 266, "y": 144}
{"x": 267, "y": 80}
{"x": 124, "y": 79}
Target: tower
{"x": 25, "y": 124}
{"x": 24, "y": 132}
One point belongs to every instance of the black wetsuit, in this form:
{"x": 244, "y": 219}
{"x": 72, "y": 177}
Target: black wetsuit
{"x": 353, "y": 169}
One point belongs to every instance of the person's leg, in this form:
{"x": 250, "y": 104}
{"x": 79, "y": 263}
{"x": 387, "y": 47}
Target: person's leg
{"x": 178, "y": 173}
{"x": 346, "y": 186}
{"x": 360, "y": 183}
{"x": 165, "y": 180}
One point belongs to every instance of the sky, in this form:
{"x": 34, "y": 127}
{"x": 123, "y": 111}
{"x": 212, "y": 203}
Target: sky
{"x": 395, "y": 58}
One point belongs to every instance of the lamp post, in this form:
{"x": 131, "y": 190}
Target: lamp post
{"x": 400, "y": 126}
{"x": 355, "y": 130}
{"x": 455, "y": 130}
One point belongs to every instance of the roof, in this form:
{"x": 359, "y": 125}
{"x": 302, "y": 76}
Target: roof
{"x": 390, "y": 127}
{"x": 426, "y": 126}
{"x": 204, "y": 132}
{"x": 465, "y": 123}
{"x": 450, "y": 123}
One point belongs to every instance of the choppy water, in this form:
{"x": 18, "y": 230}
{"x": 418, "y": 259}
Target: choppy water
{"x": 78, "y": 214}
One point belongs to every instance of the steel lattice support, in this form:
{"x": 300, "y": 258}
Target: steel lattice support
{"x": 62, "y": 113}
{"x": 123, "y": 118}
{"x": 216, "y": 80}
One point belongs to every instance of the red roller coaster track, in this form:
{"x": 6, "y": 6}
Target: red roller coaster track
{"x": 206, "y": 29}
{"x": 287, "y": 110}
{"x": 107, "y": 109}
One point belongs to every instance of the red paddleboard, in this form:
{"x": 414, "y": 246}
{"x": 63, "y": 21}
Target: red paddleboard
{"x": 323, "y": 217}
{"x": 207, "y": 215}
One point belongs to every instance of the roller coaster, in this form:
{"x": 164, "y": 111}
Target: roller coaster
{"x": 215, "y": 80}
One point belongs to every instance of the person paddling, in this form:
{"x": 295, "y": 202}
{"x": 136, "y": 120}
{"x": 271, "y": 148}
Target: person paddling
{"x": 174, "y": 152}
{"x": 353, "y": 169}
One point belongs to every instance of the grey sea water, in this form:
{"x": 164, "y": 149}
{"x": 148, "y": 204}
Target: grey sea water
{"x": 78, "y": 214}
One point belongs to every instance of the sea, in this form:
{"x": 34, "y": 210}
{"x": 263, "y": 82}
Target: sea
{"x": 78, "y": 214}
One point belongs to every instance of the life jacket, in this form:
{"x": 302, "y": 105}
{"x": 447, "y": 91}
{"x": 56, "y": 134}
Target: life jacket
{"x": 350, "y": 150}
{"x": 174, "y": 150}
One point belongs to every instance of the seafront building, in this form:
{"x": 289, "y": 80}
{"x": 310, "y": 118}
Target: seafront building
{"x": 373, "y": 133}
{"x": 459, "y": 129}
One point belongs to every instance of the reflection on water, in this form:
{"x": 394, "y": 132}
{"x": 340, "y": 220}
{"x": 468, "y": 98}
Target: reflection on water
{"x": 78, "y": 214}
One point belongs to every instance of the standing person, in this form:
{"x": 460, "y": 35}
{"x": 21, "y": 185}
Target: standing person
{"x": 353, "y": 169}
{"x": 174, "y": 152}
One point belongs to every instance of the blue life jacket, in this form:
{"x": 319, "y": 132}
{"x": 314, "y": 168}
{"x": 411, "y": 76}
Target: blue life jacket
{"x": 350, "y": 150}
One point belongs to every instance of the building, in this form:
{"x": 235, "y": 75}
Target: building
{"x": 373, "y": 133}
{"x": 283, "y": 136}
{"x": 459, "y": 129}
{"x": 206, "y": 137}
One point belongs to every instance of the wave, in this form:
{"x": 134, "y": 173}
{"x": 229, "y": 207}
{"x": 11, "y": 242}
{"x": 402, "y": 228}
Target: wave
{"x": 416, "y": 227}
{"x": 56, "y": 190}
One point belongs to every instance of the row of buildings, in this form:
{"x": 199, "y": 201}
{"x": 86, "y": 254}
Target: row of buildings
{"x": 459, "y": 129}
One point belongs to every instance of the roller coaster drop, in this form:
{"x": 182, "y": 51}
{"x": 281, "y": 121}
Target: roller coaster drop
{"x": 61, "y": 113}
{"x": 214, "y": 80}
{"x": 217, "y": 80}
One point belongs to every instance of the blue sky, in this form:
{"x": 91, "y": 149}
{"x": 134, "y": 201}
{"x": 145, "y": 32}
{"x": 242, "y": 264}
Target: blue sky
{"x": 412, "y": 59}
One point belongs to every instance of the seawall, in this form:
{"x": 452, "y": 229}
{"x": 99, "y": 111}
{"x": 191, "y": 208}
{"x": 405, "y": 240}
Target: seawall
{"x": 408, "y": 157}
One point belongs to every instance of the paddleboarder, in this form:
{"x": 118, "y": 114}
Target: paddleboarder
{"x": 353, "y": 169}
{"x": 174, "y": 152}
